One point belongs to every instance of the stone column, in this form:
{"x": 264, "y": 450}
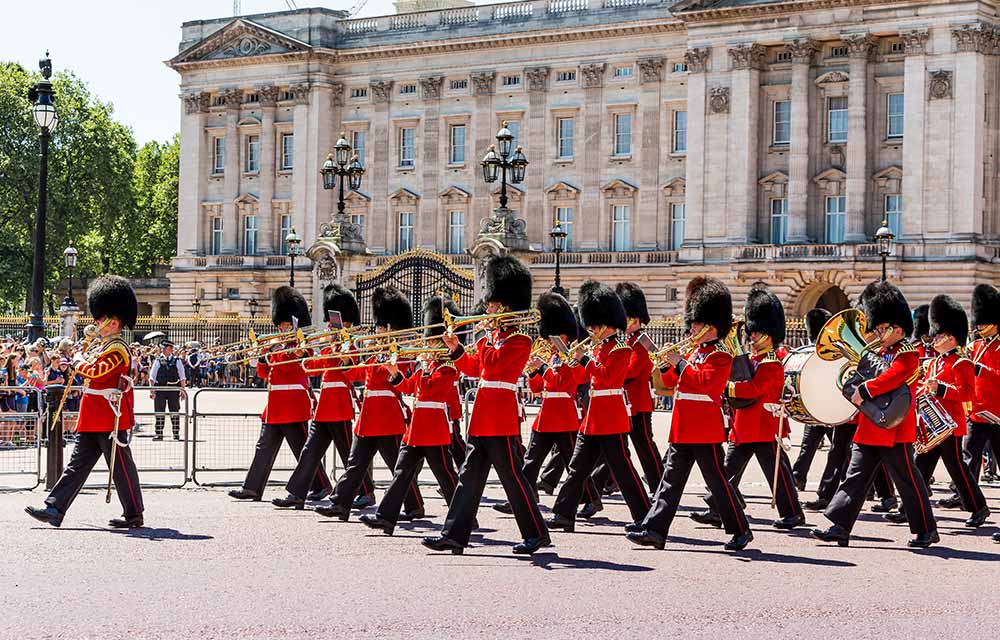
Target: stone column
{"x": 484, "y": 128}
{"x": 798, "y": 157}
{"x": 268, "y": 96}
{"x": 647, "y": 216}
{"x": 300, "y": 129}
{"x": 539, "y": 219}
{"x": 592, "y": 219}
{"x": 231, "y": 183}
{"x": 194, "y": 166}
{"x": 381, "y": 93}
{"x": 697, "y": 61}
{"x": 427, "y": 229}
{"x": 860, "y": 48}
{"x": 914, "y": 108}
{"x": 741, "y": 219}
{"x": 966, "y": 89}
{"x": 318, "y": 142}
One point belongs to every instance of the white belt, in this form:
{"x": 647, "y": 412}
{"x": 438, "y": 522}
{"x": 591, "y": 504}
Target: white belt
{"x": 424, "y": 404}
{"x": 597, "y": 393}
{"x": 556, "y": 394}
{"x": 379, "y": 393}
{"x": 286, "y": 387}
{"x": 496, "y": 384}
{"x": 104, "y": 393}
{"x": 696, "y": 397}
{"x": 333, "y": 385}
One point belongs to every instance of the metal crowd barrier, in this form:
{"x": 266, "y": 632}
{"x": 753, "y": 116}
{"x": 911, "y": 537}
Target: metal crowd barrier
{"x": 21, "y": 444}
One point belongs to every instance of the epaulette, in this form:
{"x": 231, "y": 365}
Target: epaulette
{"x": 117, "y": 344}
{"x": 905, "y": 347}
{"x": 771, "y": 356}
{"x": 519, "y": 333}
{"x": 447, "y": 363}
{"x": 621, "y": 343}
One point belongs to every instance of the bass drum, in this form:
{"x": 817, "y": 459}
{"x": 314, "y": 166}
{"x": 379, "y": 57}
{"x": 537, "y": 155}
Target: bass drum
{"x": 812, "y": 388}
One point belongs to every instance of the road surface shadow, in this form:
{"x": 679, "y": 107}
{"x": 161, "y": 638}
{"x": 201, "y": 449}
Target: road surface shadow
{"x": 945, "y": 553}
{"x": 748, "y": 555}
{"x": 552, "y": 561}
{"x": 145, "y": 533}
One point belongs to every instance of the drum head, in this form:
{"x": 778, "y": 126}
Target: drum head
{"x": 820, "y": 386}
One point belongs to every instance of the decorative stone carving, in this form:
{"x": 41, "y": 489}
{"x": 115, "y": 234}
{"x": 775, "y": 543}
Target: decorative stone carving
{"x": 300, "y": 92}
{"x": 197, "y": 102}
{"x": 538, "y": 78}
{"x": 833, "y": 77}
{"x": 484, "y": 83}
{"x": 838, "y": 155}
{"x": 752, "y": 56}
{"x": 430, "y": 88}
{"x": 232, "y": 98}
{"x": 939, "y": 86}
{"x": 697, "y": 59}
{"x": 381, "y": 90}
{"x": 802, "y": 51}
{"x": 915, "y": 41}
{"x": 974, "y": 37}
{"x": 267, "y": 95}
{"x": 245, "y": 45}
{"x": 506, "y": 227}
{"x": 337, "y": 94}
{"x": 347, "y": 235}
{"x": 562, "y": 192}
{"x": 593, "y": 75}
{"x": 650, "y": 70}
{"x": 326, "y": 269}
{"x": 860, "y": 45}
{"x": 718, "y": 100}
{"x": 619, "y": 189}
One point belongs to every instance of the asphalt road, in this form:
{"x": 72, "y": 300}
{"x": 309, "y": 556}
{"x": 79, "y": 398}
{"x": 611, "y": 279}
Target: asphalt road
{"x": 208, "y": 567}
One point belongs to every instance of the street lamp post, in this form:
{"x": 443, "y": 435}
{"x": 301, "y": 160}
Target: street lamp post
{"x": 196, "y": 305}
{"x": 42, "y": 97}
{"x": 558, "y": 235}
{"x": 70, "y": 256}
{"x": 253, "y": 304}
{"x": 342, "y": 163}
{"x": 499, "y": 159}
{"x": 294, "y": 243}
{"x": 884, "y": 238}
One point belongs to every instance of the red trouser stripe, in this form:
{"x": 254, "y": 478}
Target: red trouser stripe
{"x": 781, "y": 474}
{"x": 635, "y": 476}
{"x": 527, "y": 500}
{"x": 128, "y": 480}
{"x": 965, "y": 478}
{"x": 413, "y": 483}
{"x": 913, "y": 483}
{"x": 718, "y": 468}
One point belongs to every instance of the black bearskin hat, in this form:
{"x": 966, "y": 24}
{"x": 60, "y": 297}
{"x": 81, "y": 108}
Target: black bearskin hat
{"x": 921, "y": 325}
{"x": 634, "y": 300}
{"x": 434, "y": 314}
{"x": 985, "y": 304}
{"x": 508, "y": 282}
{"x": 112, "y": 296}
{"x": 815, "y": 319}
{"x": 601, "y": 306}
{"x": 337, "y": 298}
{"x": 947, "y": 316}
{"x": 765, "y": 314}
{"x": 391, "y": 308}
{"x": 558, "y": 317}
{"x": 287, "y": 303}
{"x": 885, "y": 303}
{"x": 707, "y": 300}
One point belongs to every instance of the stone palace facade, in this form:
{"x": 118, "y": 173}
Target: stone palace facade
{"x": 747, "y": 139}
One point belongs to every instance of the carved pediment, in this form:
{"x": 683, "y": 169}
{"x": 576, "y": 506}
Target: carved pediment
{"x": 563, "y": 191}
{"x": 619, "y": 189}
{"x": 830, "y": 175}
{"x": 241, "y": 38}
{"x": 249, "y": 121}
{"x": 357, "y": 199}
{"x": 889, "y": 178}
{"x": 514, "y": 194}
{"x": 773, "y": 178}
{"x": 246, "y": 198}
{"x": 404, "y": 196}
{"x": 454, "y": 195}
{"x": 832, "y": 77}
{"x": 675, "y": 187}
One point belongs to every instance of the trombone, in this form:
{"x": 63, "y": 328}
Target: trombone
{"x": 410, "y": 353}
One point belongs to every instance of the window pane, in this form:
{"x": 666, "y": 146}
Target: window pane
{"x": 837, "y": 119}
{"x": 515, "y": 130}
{"x": 286, "y": 227}
{"x": 287, "y": 150}
{"x": 894, "y": 213}
{"x": 621, "y": 239}
{"x": 779, "y": 221}
{"x": 358, "y": 142}
{"x": 835, "y": 219}
{"x": 250, "y": 235}
{"x": 680, "y": 131}
{"x": 457, "y": 155}
{"x": 405, "y": 232}
{"x": 782, "y": 121}
{"x": 219, "y": 155}
{"x": 676, "y": 226}
{"x": 216, "y": 248}
{"x": 359, "y": 219}
{"x": 623, "y": 134}
{"x": 565, "y": 217}
{"x": 253, "y": 153}
{"x": 894, "y": 126}
{"x": 406, "y": 150}
{"x": 456, "y": 232}
{"x": 566, "y": 137}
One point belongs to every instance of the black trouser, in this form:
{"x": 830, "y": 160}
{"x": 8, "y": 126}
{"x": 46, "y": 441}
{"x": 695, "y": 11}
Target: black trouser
{"x": 738, "y": 457}
{"x": 641, "y": 435}
{"x": 812, "y": 437}
{"x": 502, "y": 453}
{"x": 614, "y": 449}
{"x": 677, "y": 466}
{"x": 163, "y": 400}
{"x": 980, "y": 434}
{"x": 89, "y": 447}
{"x": 268, "y": 445}
{"x": 321, "y": 434}
{"x": 553, "y": 471}
{"x": 440, "y": 461}
{"x": 562, "y": 444}
{"x": 966, "y": 485}
{"x": 363, "y": 451}
{"x": 457, "y": 443}
{"x": 837, "y": 460}
{"x": 899, "y": 461}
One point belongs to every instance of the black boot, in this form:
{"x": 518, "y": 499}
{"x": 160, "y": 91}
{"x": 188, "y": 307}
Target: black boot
{"x": 243, "y": 494}
{"x": 334, "y": 511}
{"x": 953, "y": 501}
{"x": 364, "y": 501}
{"x": 50, "y": 515}
{"x": 818, "y": 504}
{"x": 289, "y": 501}
{"x": 978, "y": 519}
{"x": 709, "y": 517}
{"x": 590, "y": 509}
{"x": 647, "y": 538}
{"x": 896, "y": 517}
{"x": 377, "y": 522}
{"x": 634, "y": 527}
{"x": 996, "y": 537}
{"x": 836, "y": 533}
{"x": 546, "y": 487}
{"x": 789, "y": 523}
{"x": 317, "y": 495}
{"x": 503, "y": 507}
{"x": 408, "y": 516}
{"x": 740, "y": 541}
{"x": 441, "y": 543}
{"x": 561, "y": 522}
{"x": 885, "y": 505}
{"x": 131, "y": 522}
{"x": 531, "y": 545}
{"x": 924, "y": 540}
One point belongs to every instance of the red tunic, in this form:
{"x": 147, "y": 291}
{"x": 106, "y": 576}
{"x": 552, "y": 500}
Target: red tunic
{"x": 755, "y": 423}
{"x": 958, "y": 372}
{"x": 557, "y": 382}
{"x": 102, "y": 375}
{"x": 455, "y": 401}
{"x": 904, "y": 368}
{"x": 498, "y": 362}
{"x": 382, "y": 409}
{"x": 335, "y": 404}
{"x": 431, "y": 388}
{"x": 288, "y": 396}
{"x": 986, "y": 355}
{"x": 637, "y": 377}
{"x": 698, "y": 386}
{"x": 607, "y": 413}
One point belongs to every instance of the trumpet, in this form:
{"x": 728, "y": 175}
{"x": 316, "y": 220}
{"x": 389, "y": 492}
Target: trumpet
{"x": 681, "y": 346}
{"x": 541, "y": 349}
{"x": 409, "y": 353}
{"x": 733, "y": 342}
{"x": 504, "y": 319}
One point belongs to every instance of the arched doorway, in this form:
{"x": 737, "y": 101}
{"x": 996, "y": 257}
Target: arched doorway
{"x": 824, "y": 295}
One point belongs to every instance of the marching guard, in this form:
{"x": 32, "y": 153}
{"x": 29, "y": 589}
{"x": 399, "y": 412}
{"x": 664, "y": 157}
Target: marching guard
{"x": 106, "y": 410}
{"x": 498, "y": 360}
{"x": 757, "y": 428}
{"x": 382, "y": 423}
{"x": 697, "y": 426}
{"x": 334, "y": 411}
{"x": 985, "y": 355}
{"x": 888, "y": 317}
{"x": 289, "y": 399}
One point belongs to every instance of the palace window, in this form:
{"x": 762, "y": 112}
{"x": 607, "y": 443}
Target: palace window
{"x": 405, "y": 238}
{"x": 623, "y": 72}
{"x": 623, "y": 134}
{"x": 359, "y": 219}
{"x": 621, "y": 229}
{"x": 251, "y": 98}
{"x": 838, "y": 52}
{"x": 779, "y": 220}
{"x": 680, "y": 132}
{"x": 836, "y": 219}
{"x": 511, "y": 81}
{"x": 285, "y": 96}
{"x": 358, "y": 143}
{"x": 407, "y": 146}
{"x": 564, "y": 216}
{"x": 564, "y": 145}
{"x": 250, "y": 235}
{"x": 287, "y": 151}
{"x": 253, "y": 154}
{"x": 836, "y": 119}
{"x": 359, "y": 92}
{"x": 458, "y": 85}
{"x": 456, "y": 231}
{"x": 566, "y": 76}
{"x": 456, "y": 144}
{"x": 407, "y": 89}
{"x": 216, "y": 242}
{"x": 782, "y": 122}
{"x": 285, "y": 229}
{"x": 894, "y": 115}
{"x": 677, "y": 212}
{"x": 218, "y": 155}
{"x": 680, "y": 67}
{"x": 515, "y": 129}
{"x": 894, "y": 213}
{"x": 783, "y": 56}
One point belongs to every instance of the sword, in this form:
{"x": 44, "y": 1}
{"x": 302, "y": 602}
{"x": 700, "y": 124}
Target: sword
{"x": 777, "y": 409}
{"x": 114, "y": 437}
